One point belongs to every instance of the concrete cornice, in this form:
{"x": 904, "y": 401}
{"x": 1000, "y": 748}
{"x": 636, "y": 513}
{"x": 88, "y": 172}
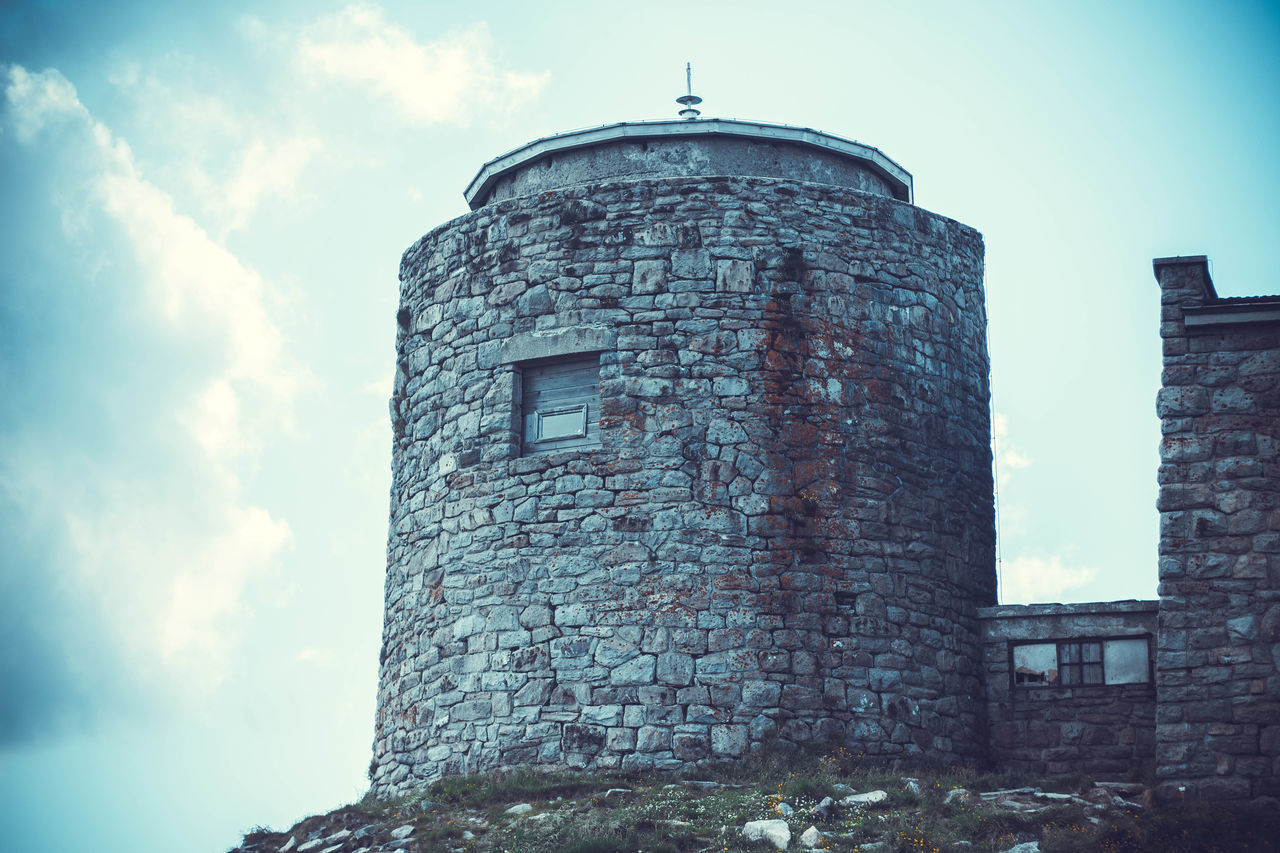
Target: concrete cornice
{"x": 1015, "y": 611}
{"x": 897, "y": 177}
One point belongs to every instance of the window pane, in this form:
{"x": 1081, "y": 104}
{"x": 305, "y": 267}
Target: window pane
{"x": 1070, "y": 674}
{"x": 1069, "y": 653}
{"x": 1092, "y": 673}
{"x": 1091, "y": 652}
{"x": 1126, "y": 661}
{"x": 562, "y": 423}
{"x": 1035, "y": 663}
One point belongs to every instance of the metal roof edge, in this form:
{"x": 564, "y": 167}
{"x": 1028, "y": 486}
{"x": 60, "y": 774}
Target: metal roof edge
{"x": 898, "y": 177}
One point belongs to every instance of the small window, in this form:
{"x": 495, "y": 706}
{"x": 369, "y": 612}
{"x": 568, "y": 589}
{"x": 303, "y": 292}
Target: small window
{"x": 560, "y": 404}
{"x": 1081, "y": 663}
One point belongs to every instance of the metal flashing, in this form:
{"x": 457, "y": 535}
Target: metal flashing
{"x": 897, "y": 177}
{"x": 1226, "y": 313}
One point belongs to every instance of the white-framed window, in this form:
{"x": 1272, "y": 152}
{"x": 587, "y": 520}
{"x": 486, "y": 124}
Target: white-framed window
{"x": 1081, "y": 662}
{"x": 560, "y": 402}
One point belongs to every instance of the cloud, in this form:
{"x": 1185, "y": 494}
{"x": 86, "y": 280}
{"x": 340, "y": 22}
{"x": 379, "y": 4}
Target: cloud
{"x": 48, "y": 684}
{"x": 212, "y": 586}
{"x": 1029, "y": 578}
{"x": 138, "y": 485}
{"x": 266, "y": 170}
{"x": 40, "y": 99}
{"x": 233, "y": 156}
{"x": 446, "y": 80}
{"x": 194, "y": 280}
{"x": 1007, "y": 456}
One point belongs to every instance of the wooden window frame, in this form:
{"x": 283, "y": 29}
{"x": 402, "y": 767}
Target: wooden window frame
{"x": 530, "y": 418}
{"x": 1059, "y": 643}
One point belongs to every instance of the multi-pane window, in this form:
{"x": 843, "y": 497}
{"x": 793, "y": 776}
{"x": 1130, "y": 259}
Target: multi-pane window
{"x": 560, "y": 403}
{"x": 1079, "y": 663}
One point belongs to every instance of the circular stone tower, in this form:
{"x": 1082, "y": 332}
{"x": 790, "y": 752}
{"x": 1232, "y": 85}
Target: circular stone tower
{"x": 691, "y": 455}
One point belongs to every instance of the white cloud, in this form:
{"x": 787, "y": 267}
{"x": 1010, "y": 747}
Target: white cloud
{"x": 320, "y": 657}
{"x": 1029, "y": 578}
{"x": 40, "y": 99}
{"x": 229, "y": 156}
{"x": 446, "y": 80}
{"x": 1008, "y": 457}
{"x": 212, "y": 586}
{"x": 266, "y": 170}
{"x": 170, "y": 554}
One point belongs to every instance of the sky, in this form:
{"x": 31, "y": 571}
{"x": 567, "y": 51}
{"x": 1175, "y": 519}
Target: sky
{"x": 203, "y": 214}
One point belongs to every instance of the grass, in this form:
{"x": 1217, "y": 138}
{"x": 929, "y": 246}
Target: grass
{"x": 665, "y": 814}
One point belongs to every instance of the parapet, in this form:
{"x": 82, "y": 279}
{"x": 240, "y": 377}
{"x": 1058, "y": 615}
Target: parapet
{"x": 684, "y": 148}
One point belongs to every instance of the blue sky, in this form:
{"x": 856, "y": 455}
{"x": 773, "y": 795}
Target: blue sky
{"x": 204, "y": 212}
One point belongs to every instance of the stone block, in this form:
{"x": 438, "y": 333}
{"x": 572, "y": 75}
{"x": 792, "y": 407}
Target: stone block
{"x": 674, "y": 669}
{"x": 691, "y": 263}
{"x": 729, "y": 740}
{"x": 735, "y": 276}
{"x": 637, "y": 671}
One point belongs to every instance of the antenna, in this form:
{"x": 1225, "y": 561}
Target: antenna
{"x": 689, "y": 100}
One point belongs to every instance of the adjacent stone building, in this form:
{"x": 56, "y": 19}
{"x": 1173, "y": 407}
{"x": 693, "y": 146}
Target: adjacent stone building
{"x": 1070, "y": 688}
{"x": 1218, "y": 661}
{"x": 691, "y": 454}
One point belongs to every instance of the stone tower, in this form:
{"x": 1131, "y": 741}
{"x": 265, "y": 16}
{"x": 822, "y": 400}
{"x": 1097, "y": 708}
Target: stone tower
{"x": 691, "y": 454}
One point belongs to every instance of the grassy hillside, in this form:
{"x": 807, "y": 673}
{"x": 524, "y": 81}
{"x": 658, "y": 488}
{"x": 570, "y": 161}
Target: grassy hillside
{"x": 849, "y": 805}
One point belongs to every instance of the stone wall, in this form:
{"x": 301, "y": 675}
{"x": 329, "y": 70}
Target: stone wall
{"x": 1106, "y": 730}
{"x": 785, "y": 531}
{"x": 1218, "y": 683}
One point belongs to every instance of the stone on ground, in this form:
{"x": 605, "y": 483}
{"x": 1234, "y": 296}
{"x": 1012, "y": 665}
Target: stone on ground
{"x": 870, "y": 798}
{"x": 775, "y": 831}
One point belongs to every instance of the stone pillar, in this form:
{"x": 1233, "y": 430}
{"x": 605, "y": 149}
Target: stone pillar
{"x": 1218, "y": 658}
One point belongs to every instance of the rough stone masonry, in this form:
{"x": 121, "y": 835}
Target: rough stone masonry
{"x": 775, "y": 521}
{"x": 1218, "y": 661}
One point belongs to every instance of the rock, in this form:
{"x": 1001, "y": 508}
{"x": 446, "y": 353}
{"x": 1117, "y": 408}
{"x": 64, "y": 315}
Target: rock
{"x": 1005, "y": 793}
{"x": 313, "y": 844}
{"x": 616, "y": 794}
{"x": 519, "y": 809}
{"x": 289, "y": 845}
{"x": 468, "y": 835}
{"x": 811, "y": 837}
{"x": 702, "y": 786}
{"x": 911, "y": 786}
{"x": 823, "y": 809}
{"x": 402, "y": 831}
{"x": 775, "y": 831}
{"x": 1129, "y": 789}
{"x": 784, "y": 809}
{"x": 870, "y": 798}
{"x": 957, "y": 795}
{"x": 1024, "y": 847}
{"x": 842, "y": 789}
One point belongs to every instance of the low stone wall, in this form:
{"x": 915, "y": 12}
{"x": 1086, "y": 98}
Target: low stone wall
{"x": 1106, "y": 730}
